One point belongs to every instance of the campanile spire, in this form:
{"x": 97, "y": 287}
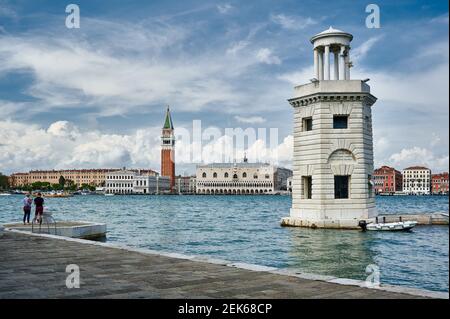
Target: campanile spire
{"x": 168, "y": 149}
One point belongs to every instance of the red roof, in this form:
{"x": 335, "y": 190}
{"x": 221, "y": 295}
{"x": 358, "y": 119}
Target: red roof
{"x": 385, "y": 169}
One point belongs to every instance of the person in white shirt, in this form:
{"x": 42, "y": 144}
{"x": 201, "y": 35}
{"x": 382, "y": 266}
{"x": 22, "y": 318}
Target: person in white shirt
{"x": 27, "y": 201}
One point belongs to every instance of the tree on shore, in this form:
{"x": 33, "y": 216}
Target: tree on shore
{"x": 88, "y": 187}
{"x": 43, "y": 186}
{"x": 70, "y": 185}
{"x": 62, "y": 182}
{"x": 56, "y": 187}
{"x": 4, "y": 184}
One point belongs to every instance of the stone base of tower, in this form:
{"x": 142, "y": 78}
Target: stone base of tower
{"x": 336, "y": 220}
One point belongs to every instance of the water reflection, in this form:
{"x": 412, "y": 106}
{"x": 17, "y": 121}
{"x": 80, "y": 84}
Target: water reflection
{"x": 341, "y": 253}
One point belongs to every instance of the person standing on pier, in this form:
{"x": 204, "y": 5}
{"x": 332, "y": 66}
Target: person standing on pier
{"x": 39, "y": 203}
{"x": 27, "y": 201}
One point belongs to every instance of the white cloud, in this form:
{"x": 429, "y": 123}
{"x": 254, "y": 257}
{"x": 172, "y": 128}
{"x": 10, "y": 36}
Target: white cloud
{"x": 293, "y": 22}
{"x": 237, "y": 47}
{"x": 224, "y": 8}
{"x": 298, "y": 77}
{"x": 266, "y": 56}
{"x": 132, "y": 68}
{"x": 126, "y": 75}
{"x": 250, "y": 119}
{"x": 223, "y": 150}
{"x": 63, "y": 129}
{"x": 418, "y": 155}
{"x": 360, "y": 52}
{"x": 64, "y": 145}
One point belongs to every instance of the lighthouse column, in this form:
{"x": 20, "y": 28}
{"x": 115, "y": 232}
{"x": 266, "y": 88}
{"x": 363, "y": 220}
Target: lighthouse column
{"x": 336, "y": 65}
{"x": 347, "y": 67}
{"x": 316, "y": 63}
{"x": 327, "y": 62}
{"x": 342, "y": 63}
{"x": 320, "y": 65}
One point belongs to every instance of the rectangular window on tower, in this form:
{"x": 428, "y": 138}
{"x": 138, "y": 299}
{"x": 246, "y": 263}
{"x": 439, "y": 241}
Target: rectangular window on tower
{"x": 307, "y": 187}
{"x": 340, "y": 121}
{"x": 307, "y": 124}
{"x": 341, "y": 187}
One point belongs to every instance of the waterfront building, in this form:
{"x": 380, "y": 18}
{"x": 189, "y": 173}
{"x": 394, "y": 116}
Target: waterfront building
{"x": 387, "y": 180}
{"x": 333, "y": 146}
{"x": 93, "y": 177}
{"x": 168, "y": 149}
{"x": 185, "y": 184}
{"x": 240, "y": 178}
{"x": 135, "y": 182}
{"x": 417, "y": 180}
{"x": 439, "y": 183}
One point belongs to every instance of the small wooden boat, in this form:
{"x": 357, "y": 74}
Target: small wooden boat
{"x": 407, "y": 225}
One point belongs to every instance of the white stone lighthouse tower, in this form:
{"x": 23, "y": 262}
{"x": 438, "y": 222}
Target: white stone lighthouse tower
{"x": 333, "y": 147}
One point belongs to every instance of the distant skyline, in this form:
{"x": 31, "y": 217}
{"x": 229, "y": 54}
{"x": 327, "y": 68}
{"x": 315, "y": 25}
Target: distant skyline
{"x": 96, "y": 96}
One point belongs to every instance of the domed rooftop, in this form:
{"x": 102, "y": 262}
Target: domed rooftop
{"x": 331, "y": 32}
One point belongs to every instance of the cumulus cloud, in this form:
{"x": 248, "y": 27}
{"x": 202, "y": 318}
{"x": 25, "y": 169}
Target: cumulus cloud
{"x": 250, "y": 119}
{"x": 266, "y": 56}
{"x": 224, "y": 149}
{"x": 64, "y": 145}
{"x": 63, "y": 129}
{"x": 293, "y": 22}
{"x": 418, "y": 155}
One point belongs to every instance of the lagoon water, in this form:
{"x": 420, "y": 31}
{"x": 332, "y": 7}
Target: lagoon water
{"x": 247, "y": 229}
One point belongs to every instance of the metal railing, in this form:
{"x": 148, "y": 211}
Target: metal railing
{"x": 47, "y": 220}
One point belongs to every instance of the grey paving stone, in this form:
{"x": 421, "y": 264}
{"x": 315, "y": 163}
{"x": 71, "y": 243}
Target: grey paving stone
{"x": 34, "y": 267}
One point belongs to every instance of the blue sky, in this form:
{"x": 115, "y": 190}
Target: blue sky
{"x": 95, "y": 96}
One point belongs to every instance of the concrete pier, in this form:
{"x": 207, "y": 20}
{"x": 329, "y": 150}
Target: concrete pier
{"x": 422, "y": 219}
{"x": 34, "y": 266}
{"x": 72, "y": 229}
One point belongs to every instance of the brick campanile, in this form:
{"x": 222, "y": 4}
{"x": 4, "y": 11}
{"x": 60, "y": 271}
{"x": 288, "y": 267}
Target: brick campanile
{"x": 168, "y": 149}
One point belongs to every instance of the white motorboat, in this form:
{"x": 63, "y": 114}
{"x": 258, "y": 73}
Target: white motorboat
{"x": 109, "y": 194}
{"x": 5, "y": 194}
{"x": 407, "y": 225}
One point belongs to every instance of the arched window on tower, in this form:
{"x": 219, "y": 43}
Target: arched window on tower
{"x": 215, "y": 175}
{"x": 244, "y": 175}
{"x": 204, "y": 175}
{"x": 225, "y": 175}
